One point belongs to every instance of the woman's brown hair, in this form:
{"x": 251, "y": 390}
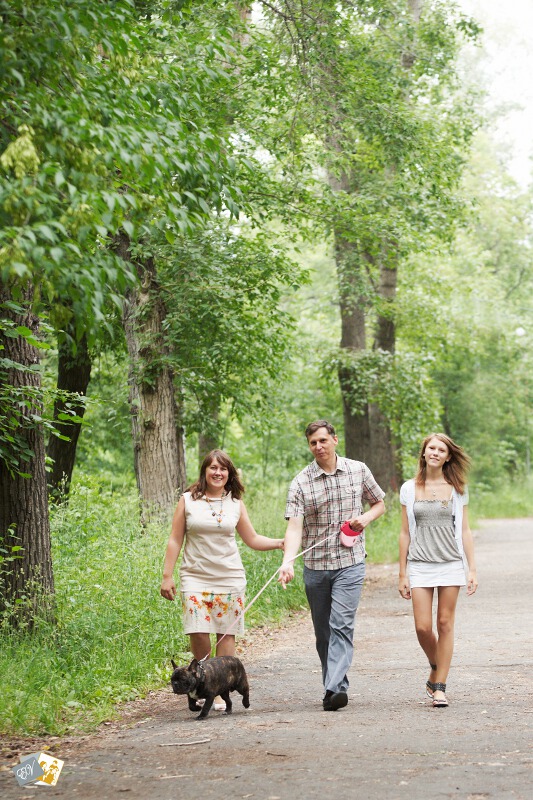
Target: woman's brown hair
{"x": 233, "y": 484}
{"x": 454, "y": 470}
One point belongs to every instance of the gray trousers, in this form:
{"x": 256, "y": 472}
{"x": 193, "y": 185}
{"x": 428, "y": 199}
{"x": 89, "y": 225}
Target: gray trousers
{"x": 333, "y": 597}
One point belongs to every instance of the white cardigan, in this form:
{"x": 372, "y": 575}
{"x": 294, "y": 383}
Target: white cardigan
{"x": 407, "y": 499}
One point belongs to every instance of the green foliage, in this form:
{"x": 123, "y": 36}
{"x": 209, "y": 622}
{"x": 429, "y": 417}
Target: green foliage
{"x": 20, "y": 402}
{"x": 271, "y": 448}
{"x": 227, "y": 334}
{"x": 380, "y": 92}
{"x": 111, "y": 120}
{"x": 105, "y": 447}
{"x": 382, "y": 536}
{"x": 400, "y": 384}
{"x": 503, "y": 501}
{"x": 467, "y": 313}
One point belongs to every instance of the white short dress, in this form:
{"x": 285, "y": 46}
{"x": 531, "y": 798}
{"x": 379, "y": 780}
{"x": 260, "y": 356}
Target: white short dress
{"x": 434, "y": 558}
{"x": 212, "y": 577}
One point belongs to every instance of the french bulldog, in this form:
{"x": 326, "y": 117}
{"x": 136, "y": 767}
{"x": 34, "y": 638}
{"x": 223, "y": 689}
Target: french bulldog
{"x": 207, "y": 679}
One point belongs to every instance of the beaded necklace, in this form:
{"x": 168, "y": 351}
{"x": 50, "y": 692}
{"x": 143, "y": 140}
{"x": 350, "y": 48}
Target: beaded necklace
{"x": 214, "y": 513}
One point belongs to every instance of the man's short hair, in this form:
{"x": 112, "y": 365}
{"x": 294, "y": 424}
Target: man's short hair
{"x": 319, "y": 423}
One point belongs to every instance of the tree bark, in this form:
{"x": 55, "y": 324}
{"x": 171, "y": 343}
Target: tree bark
{"x": 73, "y": 376}
{"x": 159, "y": 452}
{"x": 352, "y": 305}
{"x": 386, "y": 457}
{"x": 386, "y": 462}
{"x": 353, "y": 338}
{"x": 26, "y": 581}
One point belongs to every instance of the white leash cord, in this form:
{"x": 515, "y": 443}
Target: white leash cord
{"x": 260, "y": 592}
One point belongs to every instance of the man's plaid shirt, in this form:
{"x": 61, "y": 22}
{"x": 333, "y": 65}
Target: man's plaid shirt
{"x": 326, "y": 501}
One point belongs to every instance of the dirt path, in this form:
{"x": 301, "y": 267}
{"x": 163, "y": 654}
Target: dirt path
{"x": 388, "y": 743}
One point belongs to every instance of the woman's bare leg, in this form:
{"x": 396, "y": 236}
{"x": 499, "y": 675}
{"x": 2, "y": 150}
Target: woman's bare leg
{"x": 447, "y": 603}
{"x": 422, "y": 599}
{"x": 200, "y": 645}
{"x": 225, "y": 644}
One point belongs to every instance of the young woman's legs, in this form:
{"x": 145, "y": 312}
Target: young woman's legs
{"x": 439, "y": 650}
{"x": 422, "y": 612}
{"x": 447, "y": 603}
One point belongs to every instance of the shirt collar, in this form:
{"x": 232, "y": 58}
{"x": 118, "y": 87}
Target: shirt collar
{"x": 318, "y": 471}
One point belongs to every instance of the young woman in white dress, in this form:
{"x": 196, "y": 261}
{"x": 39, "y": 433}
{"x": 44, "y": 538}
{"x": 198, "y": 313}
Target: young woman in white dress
{"x": 212, "y": 577}
{"x": 436, "y": 547}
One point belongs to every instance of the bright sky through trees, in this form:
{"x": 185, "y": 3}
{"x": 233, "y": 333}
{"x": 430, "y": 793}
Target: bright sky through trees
{"x": 507, "y": 65}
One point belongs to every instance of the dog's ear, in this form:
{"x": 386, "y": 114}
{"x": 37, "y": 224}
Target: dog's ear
{"x": 173, "y": 663}
{"x": 192, "y": 666}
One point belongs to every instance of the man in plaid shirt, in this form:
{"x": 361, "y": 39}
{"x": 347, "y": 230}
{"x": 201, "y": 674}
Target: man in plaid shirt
{"x": 328, "y": 492}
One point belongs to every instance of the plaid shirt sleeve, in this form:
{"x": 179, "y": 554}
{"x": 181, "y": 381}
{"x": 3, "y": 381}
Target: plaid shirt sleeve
{"x": 295, "y": 500}
{"x": 372, "y": 492}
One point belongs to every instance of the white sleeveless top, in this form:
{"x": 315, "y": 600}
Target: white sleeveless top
{"x": 211, "y": 559}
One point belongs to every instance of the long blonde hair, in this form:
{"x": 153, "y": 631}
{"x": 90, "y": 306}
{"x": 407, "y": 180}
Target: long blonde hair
{"x": 454, "y": 470}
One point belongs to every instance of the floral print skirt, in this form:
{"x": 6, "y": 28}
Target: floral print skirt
{"x": 213, "y": 612}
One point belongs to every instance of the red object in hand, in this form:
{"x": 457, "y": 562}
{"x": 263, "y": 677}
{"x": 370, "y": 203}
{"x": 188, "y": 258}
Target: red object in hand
{"x": 348, "y": 535}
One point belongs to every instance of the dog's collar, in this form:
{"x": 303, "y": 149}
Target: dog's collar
{"x": 201, "y": 671}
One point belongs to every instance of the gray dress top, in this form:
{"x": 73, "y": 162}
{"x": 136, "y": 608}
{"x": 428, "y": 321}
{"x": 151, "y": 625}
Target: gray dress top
{"x": 435, "y": 535}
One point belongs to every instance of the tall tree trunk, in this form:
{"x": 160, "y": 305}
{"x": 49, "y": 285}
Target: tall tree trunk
{"x": 159, "y": 452}
{"x": 353, "y": 338}
{"x": 386, "y": 456}
{"x": 352, "y": 304}
{"x": 26, "y": 580}
{"x": 73, "y": 376}
{"x": 386, "y": 462}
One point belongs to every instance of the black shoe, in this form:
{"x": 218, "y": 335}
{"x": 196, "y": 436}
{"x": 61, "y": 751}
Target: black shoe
{"x": 334, "y": 700}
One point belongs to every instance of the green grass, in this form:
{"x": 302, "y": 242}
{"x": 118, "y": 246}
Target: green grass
{"x": 114, "y": 635}
{"x": 382, "y": 535}
{"x": 511, "y": 500}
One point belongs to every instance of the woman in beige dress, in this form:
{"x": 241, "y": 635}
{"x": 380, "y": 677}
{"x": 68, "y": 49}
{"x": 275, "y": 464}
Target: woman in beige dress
{"x": 212, "y": 577}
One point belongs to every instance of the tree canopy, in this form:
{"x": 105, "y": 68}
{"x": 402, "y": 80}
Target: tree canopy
{"x": 285, "y": 212}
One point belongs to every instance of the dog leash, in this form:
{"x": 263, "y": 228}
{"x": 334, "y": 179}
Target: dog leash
{"x": 260, "y": 592}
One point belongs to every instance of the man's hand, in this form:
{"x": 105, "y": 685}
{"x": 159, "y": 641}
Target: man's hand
{"x": 286, "y": 574}
{"x": 293, "y": 540}
{"x": 358, "y": 523}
